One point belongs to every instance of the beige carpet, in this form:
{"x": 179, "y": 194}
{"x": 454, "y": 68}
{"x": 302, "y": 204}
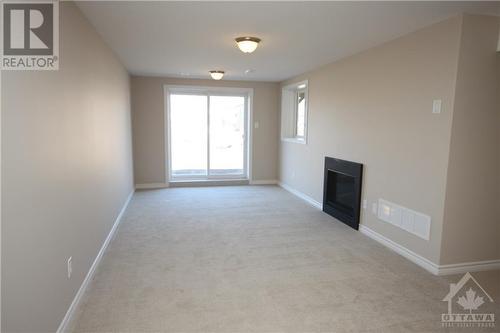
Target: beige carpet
{"x": 254, "y": 259}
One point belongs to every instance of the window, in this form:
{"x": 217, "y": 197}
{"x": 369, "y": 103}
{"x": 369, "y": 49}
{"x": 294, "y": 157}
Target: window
{"x": 294, "y": 105}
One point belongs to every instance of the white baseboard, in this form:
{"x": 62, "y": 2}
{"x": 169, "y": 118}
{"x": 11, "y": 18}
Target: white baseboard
{"x": 475, "y": 266}
{"x": 63, "y": 327}
{"x": 150, "y": 186}
{"x": 264, "y": 182}
{"x": 435, "y": 269}
{"x": 301, "y": 195}
{"x": 401, "y": 250}
{"x": 428, "y": 265}
{"x": 208, "y": 182}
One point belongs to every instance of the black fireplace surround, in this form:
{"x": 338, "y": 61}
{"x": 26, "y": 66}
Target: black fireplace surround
{"x": 342, "y": 190}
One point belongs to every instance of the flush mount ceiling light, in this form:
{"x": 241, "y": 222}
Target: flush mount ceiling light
{"x": 247, "y": 44}
{"x": 216, "y": 75}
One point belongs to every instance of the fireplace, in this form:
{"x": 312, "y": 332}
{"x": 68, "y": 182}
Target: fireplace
{"x": 342, "y": 190}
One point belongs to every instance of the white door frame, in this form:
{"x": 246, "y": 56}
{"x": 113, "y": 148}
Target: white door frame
{"x": 210, "y": 91}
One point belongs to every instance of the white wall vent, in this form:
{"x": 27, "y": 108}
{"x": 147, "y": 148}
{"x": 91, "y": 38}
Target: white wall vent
{"x": 414, "y": 222}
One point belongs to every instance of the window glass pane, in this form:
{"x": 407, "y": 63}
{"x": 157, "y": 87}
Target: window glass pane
{"x": 188, "y": 116}
{"x": 301, "y": 114}
{"x": 227, "y": 135}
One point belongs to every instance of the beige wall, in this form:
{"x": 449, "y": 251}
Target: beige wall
{"x": 148, "y": 126}
{"x": 472, "y": 214}
{"x": 67, "y": 171}
{"x": 376, "y": 108}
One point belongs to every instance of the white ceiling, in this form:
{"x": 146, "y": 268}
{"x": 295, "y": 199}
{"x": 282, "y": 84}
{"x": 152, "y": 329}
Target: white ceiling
{"x": 187, "y": 39}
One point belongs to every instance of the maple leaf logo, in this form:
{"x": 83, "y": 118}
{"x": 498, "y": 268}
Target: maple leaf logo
{"x": 470, "y": 301}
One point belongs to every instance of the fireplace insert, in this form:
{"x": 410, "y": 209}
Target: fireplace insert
{"x": 342, "y": 190}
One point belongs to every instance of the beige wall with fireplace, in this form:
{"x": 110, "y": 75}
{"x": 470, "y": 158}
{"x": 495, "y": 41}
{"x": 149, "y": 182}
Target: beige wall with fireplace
{"x": 376, "y": 108}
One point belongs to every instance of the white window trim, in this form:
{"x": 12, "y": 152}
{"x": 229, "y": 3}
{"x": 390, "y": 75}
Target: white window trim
{"x": 213, "y": 91}
{"x": 295, "y": 88}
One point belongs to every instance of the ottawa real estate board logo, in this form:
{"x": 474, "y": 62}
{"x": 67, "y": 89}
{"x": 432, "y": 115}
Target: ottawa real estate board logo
{"x": 469, "y": 305}
{"x": 30, "y": 35}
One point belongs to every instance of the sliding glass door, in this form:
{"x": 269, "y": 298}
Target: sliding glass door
{"x": 208, "y": 138}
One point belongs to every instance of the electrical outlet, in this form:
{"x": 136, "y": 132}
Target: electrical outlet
{"x": 374, "y": 208}
{"x": 70, "y": 267}
{"x": 365, "y": 204}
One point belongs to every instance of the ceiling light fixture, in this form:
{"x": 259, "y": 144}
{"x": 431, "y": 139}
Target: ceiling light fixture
{"x": 247, "y": 44}
{"x": 216, "y": 75}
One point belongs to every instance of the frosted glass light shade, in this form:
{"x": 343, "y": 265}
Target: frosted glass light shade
{"x": 247, "y": 44}
{"x": 216, "y": 75}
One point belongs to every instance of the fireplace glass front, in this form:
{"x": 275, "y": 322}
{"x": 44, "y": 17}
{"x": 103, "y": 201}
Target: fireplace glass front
{"x": 341, "y": 192}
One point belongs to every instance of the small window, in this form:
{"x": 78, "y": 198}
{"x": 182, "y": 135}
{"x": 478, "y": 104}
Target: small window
{"x": 294, "y": 106}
